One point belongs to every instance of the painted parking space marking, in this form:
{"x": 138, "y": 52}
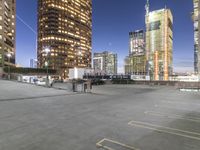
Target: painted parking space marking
{"x": 181, "y": 103}
{"x": 172, "y": 116}
{"x": 163, "y": 129}
{"x": 176, "y": 108}
{"x": 108, "y": 144}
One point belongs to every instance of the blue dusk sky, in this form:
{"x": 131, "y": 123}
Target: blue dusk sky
{"x": 112, "y": 22}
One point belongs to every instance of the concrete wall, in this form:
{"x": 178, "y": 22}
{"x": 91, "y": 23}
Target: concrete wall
{"x": 188, "y": 85}
{"x": 176, "y": 84}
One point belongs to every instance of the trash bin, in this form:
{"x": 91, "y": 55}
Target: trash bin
{"x": 87, "y": 87}
{"x": 74, "y": 86}
{"x": 77, "y": 87}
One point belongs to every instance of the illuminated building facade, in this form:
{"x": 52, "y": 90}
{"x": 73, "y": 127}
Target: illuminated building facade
{"x": 159, "y": 43}
{"x": 65, "y": 28}
{"x": 105, "y": 62}
{"x": 7, "y": 33}
{"x": 196, "y": 20}
{"x": 135, "y": 63}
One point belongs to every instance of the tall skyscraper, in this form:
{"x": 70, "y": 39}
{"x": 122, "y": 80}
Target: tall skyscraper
{"x": 135, "y": 63}
{"x": 105, "y": 62}
{"x": 65, "y": 32}
{"x": 159, "y": 43}
{"x": 7, "y": 33}
{"x": 196, "y": 20}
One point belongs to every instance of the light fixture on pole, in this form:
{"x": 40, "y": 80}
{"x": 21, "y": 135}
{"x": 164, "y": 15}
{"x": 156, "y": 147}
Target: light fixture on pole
{"x": 47, "y": 51}
{"x": 9, "y": 55}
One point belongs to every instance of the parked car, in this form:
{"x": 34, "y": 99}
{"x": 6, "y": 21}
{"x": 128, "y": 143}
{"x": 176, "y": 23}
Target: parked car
{"x": 39, "y": 82}
{"x": 97, "y": 82}
{"x": 42, "y": 82}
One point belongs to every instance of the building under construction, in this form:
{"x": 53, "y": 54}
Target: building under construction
{"x": 159, "y": 43}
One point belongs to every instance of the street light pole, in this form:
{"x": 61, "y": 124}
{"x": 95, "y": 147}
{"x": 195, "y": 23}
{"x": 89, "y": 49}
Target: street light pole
{"x": 47, "y": 51}
{"x": 9, "y": 56}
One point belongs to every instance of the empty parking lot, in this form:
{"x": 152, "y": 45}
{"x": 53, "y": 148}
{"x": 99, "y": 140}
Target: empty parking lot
{"x": 118, "y": 117}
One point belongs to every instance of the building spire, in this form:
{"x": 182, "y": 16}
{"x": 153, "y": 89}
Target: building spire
{"x": 147, "y": 7}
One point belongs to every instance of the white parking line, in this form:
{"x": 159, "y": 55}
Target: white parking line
{"x": 101, "y": 145}
{"x": 176, "y": 108}
{"x": 173, "y": 116}
{"x": 163, "y": 129}
{"x": 181, "y": 103}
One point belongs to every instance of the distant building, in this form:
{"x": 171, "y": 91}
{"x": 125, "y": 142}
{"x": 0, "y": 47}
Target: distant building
{"x": 135, "y": 63}
{"x": 105, "y": 62}
{"x": 196, "y": 20}
{"x": 159, "y": 43}
{"x": 33, "y": 63}
{"x": 7, "y": 33}
{"x": 79, "y": 73}
{"x": 65, "y": 29}
{"x": 137, "y": 43}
